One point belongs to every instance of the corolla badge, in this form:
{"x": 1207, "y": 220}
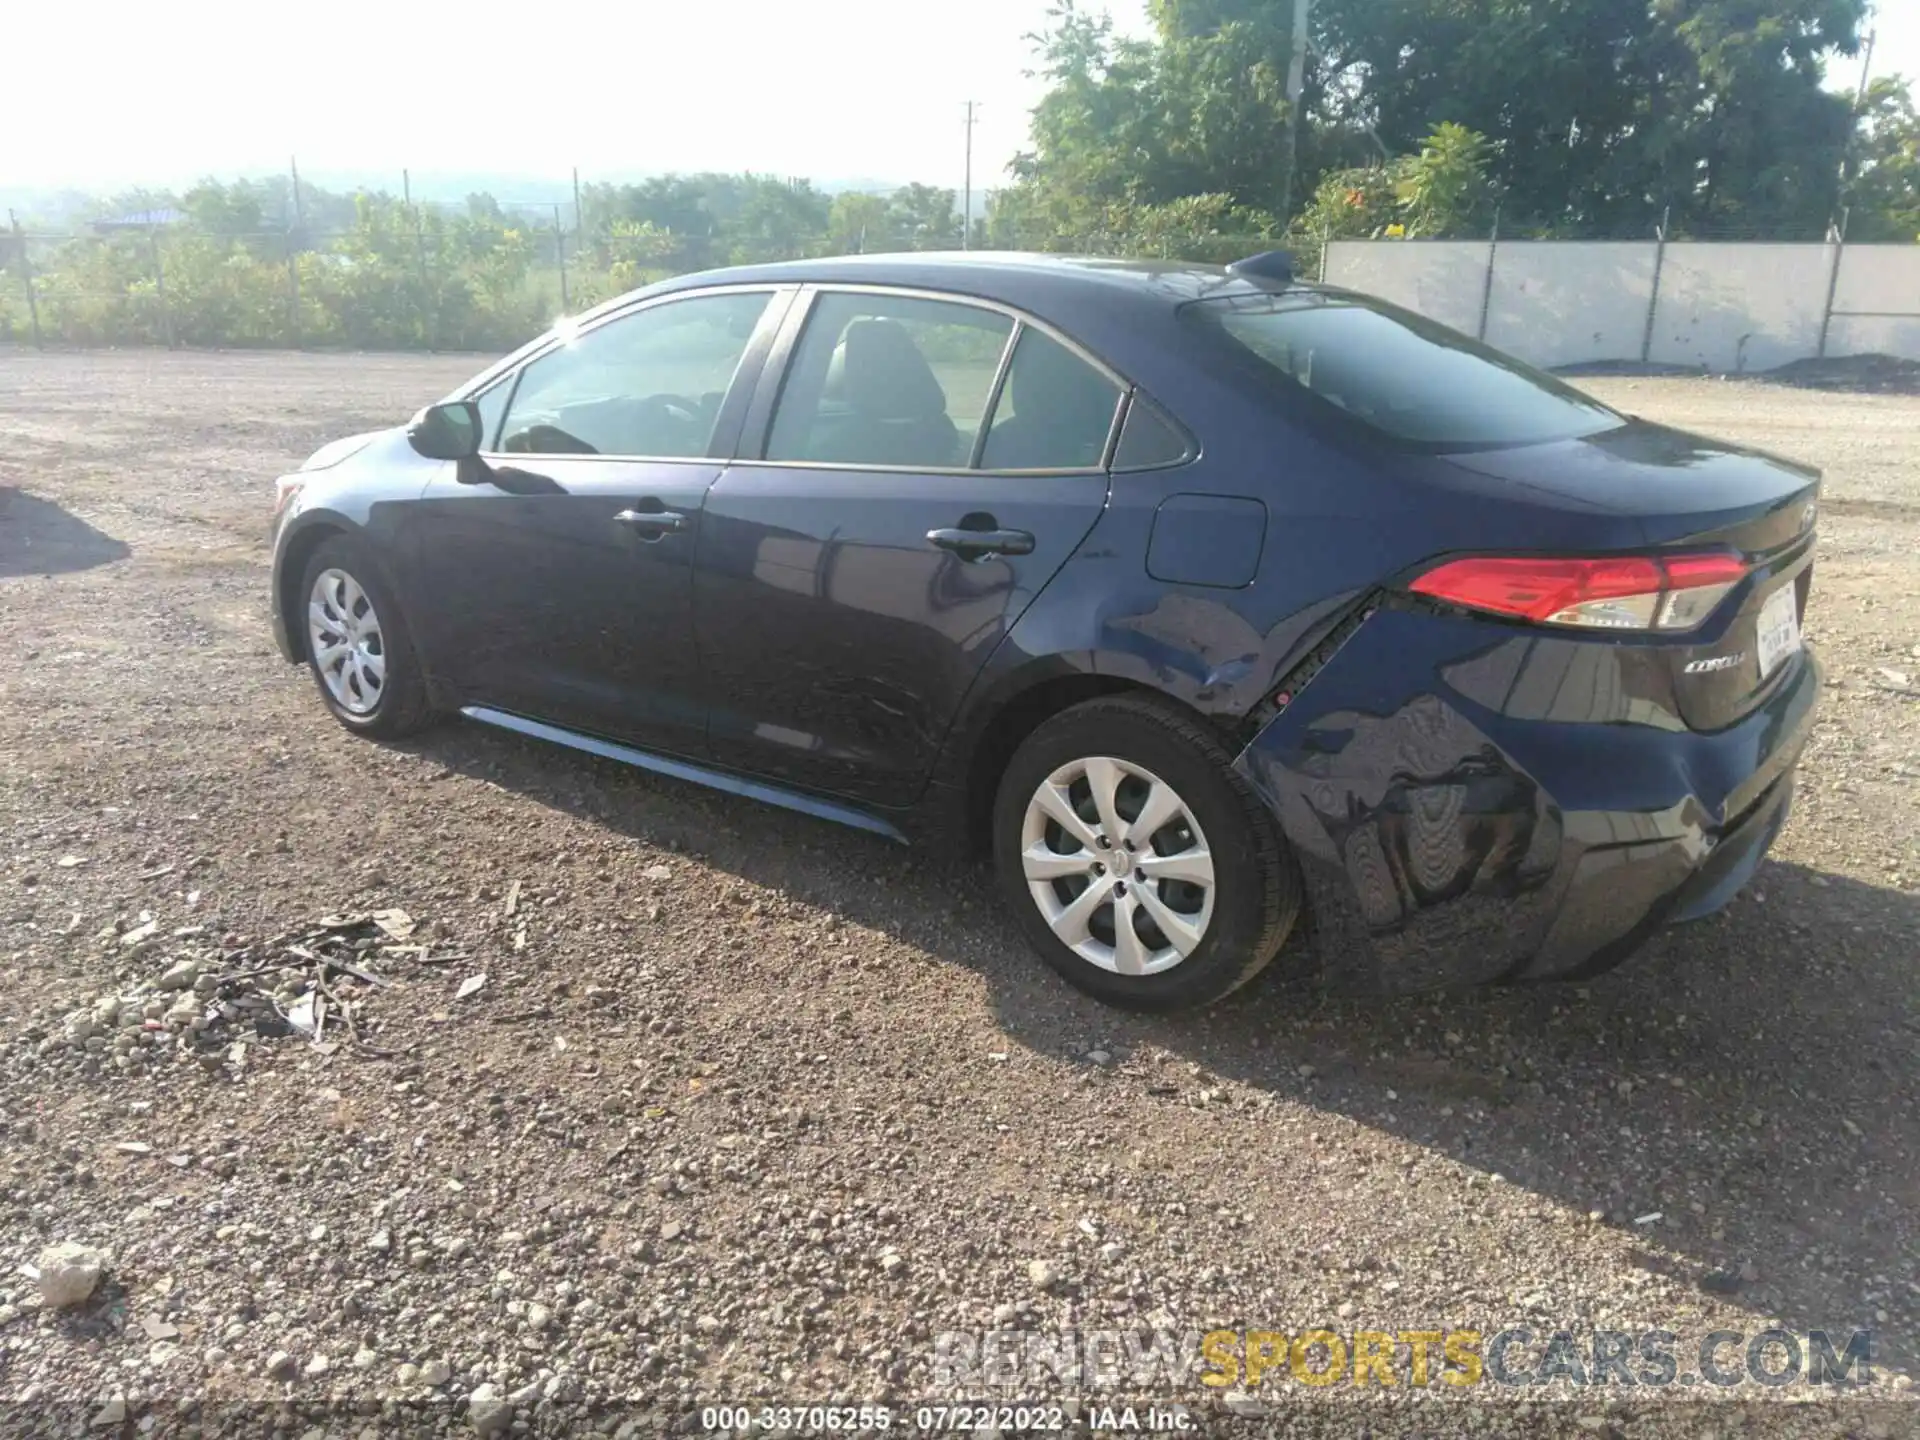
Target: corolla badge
{"x": 1717, "y": 662}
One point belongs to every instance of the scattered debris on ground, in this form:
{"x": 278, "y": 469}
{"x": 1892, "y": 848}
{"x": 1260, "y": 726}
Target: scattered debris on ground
{"x": 190, "y": 996}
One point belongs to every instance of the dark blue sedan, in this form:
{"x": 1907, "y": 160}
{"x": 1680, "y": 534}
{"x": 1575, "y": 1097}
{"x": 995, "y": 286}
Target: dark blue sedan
{"x": 1210, "y": 602}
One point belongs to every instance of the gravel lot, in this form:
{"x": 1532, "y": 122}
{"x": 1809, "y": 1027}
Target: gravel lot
{"x": 749, "y": 1107}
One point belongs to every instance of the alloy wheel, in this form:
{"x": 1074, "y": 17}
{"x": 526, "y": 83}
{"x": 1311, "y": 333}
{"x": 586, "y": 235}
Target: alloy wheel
{"x": 1118, "y": 865}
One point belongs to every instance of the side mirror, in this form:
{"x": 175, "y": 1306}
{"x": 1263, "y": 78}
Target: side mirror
{"x": 447, "y": 432}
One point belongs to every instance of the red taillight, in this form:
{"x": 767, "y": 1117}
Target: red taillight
{"x": 1627, "y": 592}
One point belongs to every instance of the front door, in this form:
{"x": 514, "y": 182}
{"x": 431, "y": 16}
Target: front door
{"x": 928, "y": 467}
{"x": 562, "y": 567}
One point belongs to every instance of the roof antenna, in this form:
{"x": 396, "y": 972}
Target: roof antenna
{"x": 1271, "y": 268}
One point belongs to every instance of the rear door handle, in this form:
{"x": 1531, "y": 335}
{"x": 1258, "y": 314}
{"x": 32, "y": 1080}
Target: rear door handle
{"x": 660, "y": 522}
{"x": 972, "y": 544}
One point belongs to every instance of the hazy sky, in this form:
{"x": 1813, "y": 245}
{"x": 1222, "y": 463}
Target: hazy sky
{"x": 834, "y": 89}
{"x": 823, "y": 88}
{"x": 1898, "y": 50}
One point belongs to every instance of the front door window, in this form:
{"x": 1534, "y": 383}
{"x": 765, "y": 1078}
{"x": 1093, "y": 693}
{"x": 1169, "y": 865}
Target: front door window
{"x": 648, "y": 385}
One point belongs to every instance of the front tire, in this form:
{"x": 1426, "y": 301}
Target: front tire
{"x": 1139, "y": 865}
{"x": 358, "y": 649}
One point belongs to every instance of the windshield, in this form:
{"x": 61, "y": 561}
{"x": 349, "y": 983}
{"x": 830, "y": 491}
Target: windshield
{"x": 1402, "y": 376}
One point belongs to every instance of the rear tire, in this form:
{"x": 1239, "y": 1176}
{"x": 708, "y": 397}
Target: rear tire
{"x": 1193, "y": 896}
{"x": 359, "y": 651}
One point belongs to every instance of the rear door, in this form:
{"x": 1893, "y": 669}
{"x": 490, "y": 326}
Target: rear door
{"x": 561, "y": 570}
{"x": 919, "y": 467}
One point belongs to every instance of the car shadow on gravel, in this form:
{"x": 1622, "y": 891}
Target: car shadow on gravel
{"x": 1749, "y": 1081}
{"x": 37, "y": 537}
{"x": 1741, "y": 1097}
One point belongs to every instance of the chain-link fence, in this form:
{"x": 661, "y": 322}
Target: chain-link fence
{"x": 408, "y": 276}
{"x": 411, "y": 277}
{"x": 394, "y": 285}
{"x": 1694, "y": 302}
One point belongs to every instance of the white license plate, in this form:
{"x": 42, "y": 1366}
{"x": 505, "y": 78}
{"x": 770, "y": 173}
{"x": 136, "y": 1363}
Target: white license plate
{"x": 1779, "y": 630}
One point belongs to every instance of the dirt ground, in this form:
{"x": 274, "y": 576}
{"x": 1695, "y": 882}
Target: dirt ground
{"x": 750, "y": 1108}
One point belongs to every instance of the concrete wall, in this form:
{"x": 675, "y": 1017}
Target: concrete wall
{"x": 1721, "y": 307}
{"x": 1566, "y": 304}
{"x": 1876, "y": 302}
{"x": 1740, "y": 307}
{"x": 1441, "y": 279}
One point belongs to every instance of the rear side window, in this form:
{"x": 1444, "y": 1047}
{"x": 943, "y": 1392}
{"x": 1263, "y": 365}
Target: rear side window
{"x": 1054, "y": 413}
{"x": 1149, "y": 441}
{"x": 889, "y": 380}
{"x": 1402, "y": 376}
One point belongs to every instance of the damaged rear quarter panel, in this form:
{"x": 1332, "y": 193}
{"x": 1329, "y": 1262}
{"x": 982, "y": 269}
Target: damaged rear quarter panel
{"x": 1410, "y": 779}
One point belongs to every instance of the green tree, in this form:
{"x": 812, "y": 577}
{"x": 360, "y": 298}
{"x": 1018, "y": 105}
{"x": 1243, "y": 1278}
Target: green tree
{"x": 860, "y": 224}
{"x": 1883, "y": 189}
{"x": 923, "y": 217}
{"x": 1093, "y": 138}
{"x": 688, "y": 207}
{"x": 225, "y": 209}
{"x": 1599, "y": 115}
{"x": 1607, "y": 112}
{"x": 1441, "y": 192}
{"x": 1362, "y": 203}
{"x": 1443, "y": 189}
{"x": 1195, "y": 227}
{"x": 776, "y": 220}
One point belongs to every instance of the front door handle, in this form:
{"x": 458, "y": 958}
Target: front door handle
{"x": 658, "y": 522}
{"x": 972, "y": 544}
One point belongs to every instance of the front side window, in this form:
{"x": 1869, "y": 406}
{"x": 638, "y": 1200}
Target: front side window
{"x": 1055, "y": 412}
{"x": 889, "y": 380}
{"x": 647, "y": 384}
{"x": 493, "y": 409}
{"x": 1402, "y": 376}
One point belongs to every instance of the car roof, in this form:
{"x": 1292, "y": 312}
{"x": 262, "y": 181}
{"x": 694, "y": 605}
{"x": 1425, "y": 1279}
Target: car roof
{"x": 1050, "y": 286}
{"x": 1124, "y": 311}
{"x": 965, "y": 267}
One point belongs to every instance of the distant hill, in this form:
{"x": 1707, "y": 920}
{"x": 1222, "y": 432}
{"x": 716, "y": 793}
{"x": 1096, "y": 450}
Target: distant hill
{"x": 61, "y": 207}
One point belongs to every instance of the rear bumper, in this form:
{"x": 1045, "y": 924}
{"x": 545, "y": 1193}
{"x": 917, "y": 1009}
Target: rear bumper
{"x": 1470, "y": 803}
{"x": 1738, "y": 854}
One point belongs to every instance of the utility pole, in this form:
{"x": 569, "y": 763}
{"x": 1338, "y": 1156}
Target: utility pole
{"x": 966, "y": 201}
{"x": 426, "y": 313}
{"x": 293, "y": 256}
{"x": 26, "y": 277}
{"x": 1847, "y": 154}
{"x": 1296, "y": 82}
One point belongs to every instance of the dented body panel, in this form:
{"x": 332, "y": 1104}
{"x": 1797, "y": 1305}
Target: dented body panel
{"x": 1473, "y": 803}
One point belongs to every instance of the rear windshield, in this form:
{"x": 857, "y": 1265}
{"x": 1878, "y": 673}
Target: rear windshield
{"x": 1402, "y": 376}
